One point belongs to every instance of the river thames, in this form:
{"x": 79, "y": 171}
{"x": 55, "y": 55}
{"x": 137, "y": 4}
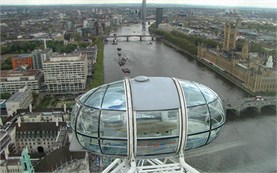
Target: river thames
{"x": 246, "y": 144}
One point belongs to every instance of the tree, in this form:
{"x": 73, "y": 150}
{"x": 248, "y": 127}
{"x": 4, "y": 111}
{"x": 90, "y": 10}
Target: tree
{"x": 5, "y": 95}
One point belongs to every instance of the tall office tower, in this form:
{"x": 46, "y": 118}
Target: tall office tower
{"x": 229, "y": 36}
{"x": 143, "y": 14}
{"x": 159, "y": 16}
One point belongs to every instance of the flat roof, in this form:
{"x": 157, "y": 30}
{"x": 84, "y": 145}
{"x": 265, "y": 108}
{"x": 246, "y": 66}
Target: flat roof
{"x": 39, "y": 126}
{"x": 23, "y": 56}
{"x": 65, "y": 58}
{"x": 12, "y": 73}
{"x": 16, "y": 97}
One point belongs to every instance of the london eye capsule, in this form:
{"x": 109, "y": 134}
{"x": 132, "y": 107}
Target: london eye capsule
{"x": 146, "y": 117}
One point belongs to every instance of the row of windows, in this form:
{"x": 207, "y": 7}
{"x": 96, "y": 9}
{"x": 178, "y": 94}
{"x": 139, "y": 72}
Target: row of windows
{"x": 33, "y": 139}
{"x": 63, "y": 80}
{"x": 37, "y": 132}
{"x": 12, "y": 170}
{"x": 30, "y": 144}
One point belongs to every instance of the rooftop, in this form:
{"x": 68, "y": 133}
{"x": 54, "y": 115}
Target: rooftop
{"x": 65, "y": 58}
{"x": 38, "y": 126}
{"x": 57, "y": 158}
{"x": 12, "y": 73}
{"x": 24, "y": 56}
{"x": 16, "y": 97}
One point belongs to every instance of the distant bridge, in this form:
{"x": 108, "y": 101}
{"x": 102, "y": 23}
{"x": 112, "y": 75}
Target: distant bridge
{"x": 128, "y": 36}
{"x": 238, "y": 105}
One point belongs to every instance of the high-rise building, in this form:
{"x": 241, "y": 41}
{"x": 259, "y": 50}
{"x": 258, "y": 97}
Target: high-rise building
{"x": 229, "y": 36}
{"x": 159, "y": 16}
{"x": 39, "y": 56}
{"x": 68, "y": 26}
{"x": 66, "y": 73}
{"x": 143, "y": 13}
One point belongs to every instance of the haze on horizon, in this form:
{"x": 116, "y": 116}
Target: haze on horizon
{"x": 232, "y": 3}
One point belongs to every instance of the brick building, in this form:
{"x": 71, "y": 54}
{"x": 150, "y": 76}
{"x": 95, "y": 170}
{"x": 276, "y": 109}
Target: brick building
{"x": 22, "y": 61}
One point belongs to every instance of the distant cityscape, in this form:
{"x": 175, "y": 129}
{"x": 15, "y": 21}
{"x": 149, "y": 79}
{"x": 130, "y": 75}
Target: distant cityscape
{"x": 50, "y": 55}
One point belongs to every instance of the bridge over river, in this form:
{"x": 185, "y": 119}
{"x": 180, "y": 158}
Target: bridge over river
{"x": 128, "y": 36}
{"x": 255, "y": 103}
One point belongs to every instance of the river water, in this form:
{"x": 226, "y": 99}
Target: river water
{"x": 157, "y": 59}
{"x": 246, "y": 144}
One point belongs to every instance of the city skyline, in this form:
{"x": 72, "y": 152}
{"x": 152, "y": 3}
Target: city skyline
{"x": 233, "y": 3}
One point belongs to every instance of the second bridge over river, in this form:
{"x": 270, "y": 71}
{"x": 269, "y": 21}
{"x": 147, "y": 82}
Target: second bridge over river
{"x": 128, "y": 36}
{"x": 256, "y": 103}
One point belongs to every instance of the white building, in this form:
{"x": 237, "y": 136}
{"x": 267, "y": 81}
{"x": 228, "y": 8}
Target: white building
{"x": 19, "y": 100}
{"x": 66, "y": 73}
{"x": 11, "y": 80}
{"x": 46, "y": 116}
{"x": 88, "y": 23}
{"x": 117, "y": 19}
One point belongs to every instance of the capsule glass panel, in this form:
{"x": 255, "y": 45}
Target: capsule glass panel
{"x": 114, "y": 147}
{"x": 208, "y": 94}
{"x": 115, "y": 97}
{"x": 198, "y": 140}
{"x": 217, "y": 113}
{"x": 198, "y": 119}
{"x": 193, "y": 96}
{"x": 95, "y": 99}
{"x": 88, "y": 121}
{"x": 113, "y": 124}
{"x": 157, "y": 132}
{"x": 89, "y": 143}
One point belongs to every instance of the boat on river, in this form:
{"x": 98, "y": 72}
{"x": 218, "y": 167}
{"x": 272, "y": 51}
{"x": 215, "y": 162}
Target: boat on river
{"x": 119, "y": 49}
{"x": 126, "y": 70}
{"x": 114, "y": 42}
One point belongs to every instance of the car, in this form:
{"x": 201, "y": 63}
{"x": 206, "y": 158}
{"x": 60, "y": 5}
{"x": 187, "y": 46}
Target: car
{"x": 259, "y": 98}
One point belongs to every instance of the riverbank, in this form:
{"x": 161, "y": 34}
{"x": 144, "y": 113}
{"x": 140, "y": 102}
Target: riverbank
{"x": 218, "y": 71}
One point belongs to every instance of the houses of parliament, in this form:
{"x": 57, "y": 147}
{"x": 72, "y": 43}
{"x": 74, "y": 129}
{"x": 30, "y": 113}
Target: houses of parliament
{"x": 252, "y": 73}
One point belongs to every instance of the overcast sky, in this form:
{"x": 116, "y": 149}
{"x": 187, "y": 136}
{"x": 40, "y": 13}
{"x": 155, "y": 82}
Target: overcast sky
{"x": 248, "y": 3}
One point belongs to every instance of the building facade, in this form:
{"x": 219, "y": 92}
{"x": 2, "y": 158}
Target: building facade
{"x": 19, "y": 100}
{"x": 39, "y": 56}
{"x": 91, "y": 54}
{"x": 230, "y": 35}
{"x": 252, "y": 75}
{"x": 66, "y": 74}
{"x": 39, "y": 137}
{"x": 245, "y": 51}
{"x": 23, "y": 60}
{"x": 7, "y": 165}
{"x": 11, "y": 80}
